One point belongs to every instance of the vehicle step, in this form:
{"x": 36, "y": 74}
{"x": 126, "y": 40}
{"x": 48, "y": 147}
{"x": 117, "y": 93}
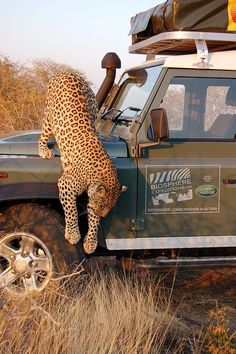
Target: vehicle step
{"x": 181, "y": 262}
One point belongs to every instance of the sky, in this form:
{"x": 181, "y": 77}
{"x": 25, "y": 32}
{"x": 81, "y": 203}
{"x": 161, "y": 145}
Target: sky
{"x": 73, "y": 32}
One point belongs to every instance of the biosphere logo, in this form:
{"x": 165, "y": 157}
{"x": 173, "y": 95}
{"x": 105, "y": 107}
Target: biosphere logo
{"x": 171, "y": 186}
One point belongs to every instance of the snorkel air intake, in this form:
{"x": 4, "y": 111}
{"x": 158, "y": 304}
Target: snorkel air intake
{"x": 110, "y": 62}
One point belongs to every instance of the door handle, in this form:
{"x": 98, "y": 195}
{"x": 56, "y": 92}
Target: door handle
{"x": 229, "y": 180}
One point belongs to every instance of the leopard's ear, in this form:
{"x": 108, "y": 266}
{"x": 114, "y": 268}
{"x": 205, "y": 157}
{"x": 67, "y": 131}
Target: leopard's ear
{"x": 123, "y": 189}
{"x": 101, "y": 190}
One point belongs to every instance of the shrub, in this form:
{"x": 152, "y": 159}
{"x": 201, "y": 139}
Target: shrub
{"x": 219, "y": 339}
{"x": 23, "y": 92}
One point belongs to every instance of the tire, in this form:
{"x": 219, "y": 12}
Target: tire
{"x": 24, "y": 230}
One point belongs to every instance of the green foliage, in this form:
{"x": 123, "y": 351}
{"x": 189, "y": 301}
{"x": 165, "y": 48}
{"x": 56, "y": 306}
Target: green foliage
{"x": 23, "y": 92}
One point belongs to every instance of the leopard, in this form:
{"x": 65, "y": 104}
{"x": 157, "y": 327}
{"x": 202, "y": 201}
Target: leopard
{"x": 70, "y": 114}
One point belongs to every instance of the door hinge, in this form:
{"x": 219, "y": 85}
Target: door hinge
{"x": 137, "y": 224}
{"x": 134, "y": 151}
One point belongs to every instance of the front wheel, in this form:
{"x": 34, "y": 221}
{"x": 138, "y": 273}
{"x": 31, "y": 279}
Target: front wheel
{"x": 33, "y": 248}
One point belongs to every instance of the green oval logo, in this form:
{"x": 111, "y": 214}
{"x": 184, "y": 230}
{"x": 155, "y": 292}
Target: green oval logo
{"x": 206, "y": 190}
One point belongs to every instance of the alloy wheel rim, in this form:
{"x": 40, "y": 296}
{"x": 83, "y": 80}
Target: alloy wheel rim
{"x": 25, "y": 264}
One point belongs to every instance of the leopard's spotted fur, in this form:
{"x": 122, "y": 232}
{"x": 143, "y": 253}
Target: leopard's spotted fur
{"x": 69, "y": 115}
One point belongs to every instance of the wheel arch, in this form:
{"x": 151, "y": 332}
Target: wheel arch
{"x": 55, "y": 204}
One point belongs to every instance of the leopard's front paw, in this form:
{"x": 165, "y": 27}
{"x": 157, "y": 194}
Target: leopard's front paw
{"x": 73, "y": 236}
{"x": 46, "y": 153}
{"x": 90, "y": 245}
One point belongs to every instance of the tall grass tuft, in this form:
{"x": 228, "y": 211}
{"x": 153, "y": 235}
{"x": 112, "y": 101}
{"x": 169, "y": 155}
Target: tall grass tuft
{"x": 103, "y": 313}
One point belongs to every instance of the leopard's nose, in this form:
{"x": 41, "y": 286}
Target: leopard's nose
{"x": 105, "y": 212}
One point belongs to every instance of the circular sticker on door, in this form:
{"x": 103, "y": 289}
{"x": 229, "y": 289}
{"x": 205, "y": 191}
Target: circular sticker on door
{"x": 206, "y": 190}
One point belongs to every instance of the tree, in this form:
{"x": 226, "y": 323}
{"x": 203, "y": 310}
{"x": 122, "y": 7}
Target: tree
{"x": 23, "y": 92}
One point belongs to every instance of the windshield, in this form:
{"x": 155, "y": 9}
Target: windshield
{"x": 135, "y": 87}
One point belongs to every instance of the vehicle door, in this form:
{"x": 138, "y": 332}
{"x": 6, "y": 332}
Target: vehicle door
{"x": 187, "y": 183}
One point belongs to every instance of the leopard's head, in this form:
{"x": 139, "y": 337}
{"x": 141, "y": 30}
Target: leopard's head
{"x": 102, "y": 198}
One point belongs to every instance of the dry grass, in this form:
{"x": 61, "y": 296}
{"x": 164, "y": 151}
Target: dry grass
{"x": 104, "y": 313}
{"x": 23, "y": 92}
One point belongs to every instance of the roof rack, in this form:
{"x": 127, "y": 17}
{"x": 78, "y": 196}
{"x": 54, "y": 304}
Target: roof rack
{"x": 185, "y": 42}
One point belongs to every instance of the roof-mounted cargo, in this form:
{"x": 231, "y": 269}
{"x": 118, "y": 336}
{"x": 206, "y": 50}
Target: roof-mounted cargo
{"x": 182, "y": 42}
{"x": 176, "y": 26}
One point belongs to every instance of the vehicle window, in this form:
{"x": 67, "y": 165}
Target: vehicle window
{"x": 201, "y": 108}
{"x": 173, "y": 102}
{"x": 219, "y": 109}
{"x": 135, "y": 88}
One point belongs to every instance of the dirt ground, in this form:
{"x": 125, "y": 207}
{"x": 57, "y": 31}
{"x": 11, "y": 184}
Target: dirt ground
{"x": 199, "y": 291}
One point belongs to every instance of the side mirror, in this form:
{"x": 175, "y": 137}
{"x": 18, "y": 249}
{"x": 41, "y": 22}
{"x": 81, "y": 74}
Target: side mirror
{"x": 159, "y": 124}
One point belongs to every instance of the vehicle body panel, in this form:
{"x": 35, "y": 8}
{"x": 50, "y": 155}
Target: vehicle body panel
{"x": 182, "y": 190}
{"x": 114, "y": 146}
{"x": 118, "y": 223}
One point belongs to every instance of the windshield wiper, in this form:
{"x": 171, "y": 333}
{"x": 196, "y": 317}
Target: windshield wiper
{"x": 119, "y": 113}
{"x": 126, "y": 121}
{"x": 105, "y": 114}
{"x": 116, "y": 119}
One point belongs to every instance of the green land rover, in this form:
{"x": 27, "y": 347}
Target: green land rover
{"x": 169, "y": 126}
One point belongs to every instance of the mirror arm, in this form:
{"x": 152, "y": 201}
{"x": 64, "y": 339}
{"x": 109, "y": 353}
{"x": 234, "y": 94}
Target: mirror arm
{"x": 144, "y": 145}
